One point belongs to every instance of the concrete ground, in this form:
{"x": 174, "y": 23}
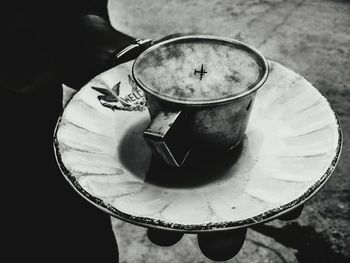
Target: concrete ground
{"x": 313, "y": 39}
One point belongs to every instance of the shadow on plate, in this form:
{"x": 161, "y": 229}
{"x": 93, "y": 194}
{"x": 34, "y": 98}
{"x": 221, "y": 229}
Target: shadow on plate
{"x": 198, "y": 170}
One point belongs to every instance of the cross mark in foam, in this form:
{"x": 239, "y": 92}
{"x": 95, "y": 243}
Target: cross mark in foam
{"x": 201, "y": 72}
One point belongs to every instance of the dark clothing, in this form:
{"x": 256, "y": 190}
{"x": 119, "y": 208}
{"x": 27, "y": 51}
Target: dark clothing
{"x": 44, "y": 219}
{"x": 45, "y": 44}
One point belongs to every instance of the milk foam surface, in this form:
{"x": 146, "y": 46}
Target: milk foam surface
{"x": 173, "y": 70}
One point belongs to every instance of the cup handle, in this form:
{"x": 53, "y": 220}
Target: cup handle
{"x": 168, "y": 136}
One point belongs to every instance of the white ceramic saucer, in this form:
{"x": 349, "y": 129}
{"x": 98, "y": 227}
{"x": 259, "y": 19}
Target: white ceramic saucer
{"x": 292, "y": 145}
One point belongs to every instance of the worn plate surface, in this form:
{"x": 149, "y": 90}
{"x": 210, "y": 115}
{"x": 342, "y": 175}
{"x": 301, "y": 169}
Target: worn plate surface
{"x": 291, "y": 147}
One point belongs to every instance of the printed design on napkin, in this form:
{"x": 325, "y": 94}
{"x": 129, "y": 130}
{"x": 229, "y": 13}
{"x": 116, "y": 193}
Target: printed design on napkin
{"x": 122, "y": 97}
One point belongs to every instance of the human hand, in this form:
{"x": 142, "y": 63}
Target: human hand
{"x": 219, "y": 245}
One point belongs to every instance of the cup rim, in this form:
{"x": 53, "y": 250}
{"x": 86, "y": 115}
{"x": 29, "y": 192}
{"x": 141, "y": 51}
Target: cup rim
{"x": 209, "y": 102}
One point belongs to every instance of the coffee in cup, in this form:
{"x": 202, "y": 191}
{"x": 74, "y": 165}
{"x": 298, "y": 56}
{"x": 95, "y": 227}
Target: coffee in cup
{"x": 199, "y": 90}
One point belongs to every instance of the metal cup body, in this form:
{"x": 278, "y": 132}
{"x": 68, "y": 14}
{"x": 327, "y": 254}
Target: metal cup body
{"x": 205, "y": 129}
{"x": 220, "y": 127}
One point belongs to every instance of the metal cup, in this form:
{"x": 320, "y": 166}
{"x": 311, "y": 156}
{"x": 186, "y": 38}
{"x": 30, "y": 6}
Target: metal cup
{"x": 208, "y": 126}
